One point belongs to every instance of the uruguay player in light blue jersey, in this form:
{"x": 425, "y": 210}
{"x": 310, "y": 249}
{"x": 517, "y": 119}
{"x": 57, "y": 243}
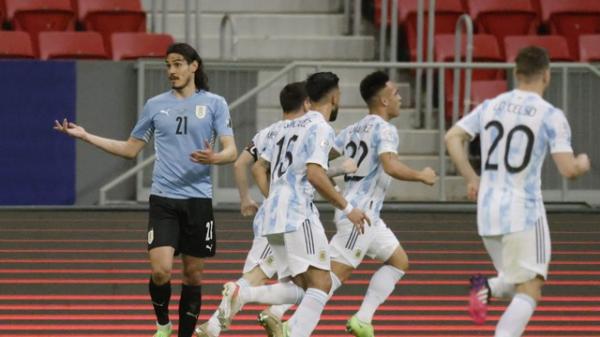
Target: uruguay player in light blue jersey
{"x": 516, "y": 129}
{"x": 185, "y": 122}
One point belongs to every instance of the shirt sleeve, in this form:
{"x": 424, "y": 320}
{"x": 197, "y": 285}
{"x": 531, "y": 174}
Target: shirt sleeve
{"x": 340, "y": 140}
{"x": 388, "y": 140}
{"x": 251, "y": 147}
{"x": 144, "y": 128}
{"x": 222, "y": 119}
{"x": 558, "y": 132}
{"x": 319, "y": 144}
{"x": 471, "y": 123}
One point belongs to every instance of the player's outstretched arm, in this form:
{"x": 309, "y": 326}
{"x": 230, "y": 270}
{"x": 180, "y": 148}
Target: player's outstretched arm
{"x": 127, "y": 149}
{"x": 348, "y": 166}
{"x": 456, "y": 138}
{"x": 248, "y": 206}
{"x": 260, "y": 171}
{"x": 395, "y": 168}
{"x": 317, "y": 176}
{"x": 208, "y": 156}
{"x": 571, "y": 166}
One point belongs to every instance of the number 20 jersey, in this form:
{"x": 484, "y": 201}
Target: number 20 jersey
{"x": 364, "y": 141}
{"x": 516, "y": 129}
{"x": 304, "y": 140}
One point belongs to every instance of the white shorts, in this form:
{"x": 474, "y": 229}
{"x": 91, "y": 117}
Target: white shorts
{"x": 521, "y": 256}
{"x": 295, "y": 251}
{"x": 261, "y": 255}
{"x": 349, "y": 247}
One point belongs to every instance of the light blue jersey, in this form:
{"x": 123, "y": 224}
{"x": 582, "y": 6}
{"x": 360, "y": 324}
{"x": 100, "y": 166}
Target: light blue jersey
{"x": 256, "y": 148}
{"x": 180, "y": 127}
{"x": 516, "y": 130}
{"x": 307, "y": 139}
{"x": 364, "y": 141}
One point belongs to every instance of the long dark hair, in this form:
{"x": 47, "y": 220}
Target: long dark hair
{"x": 190, "y": 55}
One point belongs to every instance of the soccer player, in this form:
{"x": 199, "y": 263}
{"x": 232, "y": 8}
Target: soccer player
{"x": 516, "y": 130}
{"x": 184, "y": 122}
{"x": 372, "y": 142}
{"x": 260, "y": 264}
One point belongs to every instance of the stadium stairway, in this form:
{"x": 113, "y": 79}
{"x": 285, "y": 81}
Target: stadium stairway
{"x": 84, "y": 274}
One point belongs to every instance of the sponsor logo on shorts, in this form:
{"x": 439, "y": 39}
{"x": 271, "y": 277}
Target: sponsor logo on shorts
{"x": 323, "y": 255}
{"x": 150, "y": 236}
{"x": 358, "y": 253}
{"x": 269, "y": 260}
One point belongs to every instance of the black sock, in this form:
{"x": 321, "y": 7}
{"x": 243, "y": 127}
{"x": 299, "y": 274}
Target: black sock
{"x": 160, "y": 296}
{"x": 189, "y": 309}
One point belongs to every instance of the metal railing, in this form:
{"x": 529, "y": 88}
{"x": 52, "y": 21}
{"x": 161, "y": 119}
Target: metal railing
{"x": 227, "y": 20}
{"x": 187, "y": 19}
{"x": 288, "y": 72}
{"x": 468, "y": 23}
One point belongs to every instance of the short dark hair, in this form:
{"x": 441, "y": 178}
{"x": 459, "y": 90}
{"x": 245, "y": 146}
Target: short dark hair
{"x": 292, "y": 96}
{"x": 190, "y": 55}
{"x": 372, "y": 84}
{"x": 532, "y": 61}
{"x": 318, "y": 85}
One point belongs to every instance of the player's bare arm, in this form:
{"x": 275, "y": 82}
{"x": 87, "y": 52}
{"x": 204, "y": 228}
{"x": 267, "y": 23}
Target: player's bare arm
{"x": 317, "y": 176}
{"x": 128, "y": 149}
{"x": 571, "y": 166}
{"x": 208, "y": 156}
{"x": 395, "y": 168}
{"x": 260, "y": 171}
{"x": 348, "y": 166}
{"x": 456, "y": 138}
{"x": 248, "y": 206}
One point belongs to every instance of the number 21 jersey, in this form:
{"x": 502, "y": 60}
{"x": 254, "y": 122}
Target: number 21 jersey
{"x": 516, "y": 129}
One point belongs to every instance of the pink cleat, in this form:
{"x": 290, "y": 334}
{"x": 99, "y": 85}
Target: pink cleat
{"x": 479, "y": 296}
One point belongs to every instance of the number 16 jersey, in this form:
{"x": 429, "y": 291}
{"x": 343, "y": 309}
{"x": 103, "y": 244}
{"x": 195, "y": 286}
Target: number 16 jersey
{"x": 301, "y": 141}
{"x": 516, "y": 129}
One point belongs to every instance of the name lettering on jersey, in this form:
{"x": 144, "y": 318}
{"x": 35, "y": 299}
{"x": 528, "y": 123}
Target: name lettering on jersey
{"x": 302, "y": 123}
{"x": 200, "y": 111}
{"x": 361, "y": 128}
{"x": 524, "y": 110}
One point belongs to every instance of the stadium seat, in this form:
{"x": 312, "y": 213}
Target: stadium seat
{"x": 486, "y": 89}
{"x": 556, "y": 46}
{"x": 126, "y": 46}
{"x": 71, "y": 45}
{"x": 111, "y": 16}
{"x": 485, "y": 49}
{"x": 35, "y": 16}
{"x": 504, "y": 17}
{"x": 572, "y": 18}
{"x": 15, "y": 44}
{"x": 589, "y": 48}
{"x": 447, "y": 13}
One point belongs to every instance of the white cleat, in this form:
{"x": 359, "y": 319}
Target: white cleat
{"x": 230, "y": 304}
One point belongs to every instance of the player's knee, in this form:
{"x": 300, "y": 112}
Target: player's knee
{"x": 161, "y": 275}
{"x": 399, "y": 260}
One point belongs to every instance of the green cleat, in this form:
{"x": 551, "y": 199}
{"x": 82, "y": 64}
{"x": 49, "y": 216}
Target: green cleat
{"x": 272, "y": 324}
{"x": 358, "y": 328}
{"x": 285, "y": 330}
{"x": 164, "y": 331}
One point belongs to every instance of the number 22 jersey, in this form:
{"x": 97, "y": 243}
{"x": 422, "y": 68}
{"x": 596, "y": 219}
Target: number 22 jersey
{"x": 304, "y": 140}
{"x": 516, "y": 129}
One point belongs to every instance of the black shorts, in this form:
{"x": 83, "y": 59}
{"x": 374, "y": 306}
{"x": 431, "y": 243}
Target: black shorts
{"x": 185, "y": 224}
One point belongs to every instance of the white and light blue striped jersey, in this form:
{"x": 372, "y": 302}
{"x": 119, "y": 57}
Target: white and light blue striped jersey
{"x": 363, "y": 142}
{"x": 256, "y": 148}
{"x": 304, "y": 140}
{"x": 180, "y": 127}
{"x": 516, "y": 129}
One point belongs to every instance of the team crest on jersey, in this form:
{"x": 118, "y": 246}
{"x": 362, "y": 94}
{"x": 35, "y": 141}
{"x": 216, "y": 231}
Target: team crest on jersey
{"x": 200, "y": 111}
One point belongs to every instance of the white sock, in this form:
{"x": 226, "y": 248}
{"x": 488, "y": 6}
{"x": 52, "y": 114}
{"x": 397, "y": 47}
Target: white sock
{"x": 381, "y": 286}
{"x": 501, "y": 289}
{"x": 214, "y": 327}
{"x": 307, "y": 316}
{"x": 279, "y": 310}
{"x": 335, "y": 284}
{"x": 517, "y": 315}
{"x": 278, "y": 293}
{"x": 243, "y": 283}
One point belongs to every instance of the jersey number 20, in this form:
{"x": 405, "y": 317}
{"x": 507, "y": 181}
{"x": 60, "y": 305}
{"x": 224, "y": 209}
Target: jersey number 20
{"x": 489, "y": 166}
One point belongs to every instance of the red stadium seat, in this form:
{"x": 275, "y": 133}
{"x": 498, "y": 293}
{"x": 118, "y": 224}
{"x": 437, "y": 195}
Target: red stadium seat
{"x": 35, "y": 16}
{"x": 71, "y": 45}
{"x": 126, "y": 46}
{"x": 482, "y": 90}
{"x": 15, "y": 44}
{"x": 556, "y": 46}
{"x": 589, "y": 48}
{"x": 503, "y": 18}
{"x": 572, "y": 18}
{"x": 485, "y": 49}
{"x": 111, "y": 16}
